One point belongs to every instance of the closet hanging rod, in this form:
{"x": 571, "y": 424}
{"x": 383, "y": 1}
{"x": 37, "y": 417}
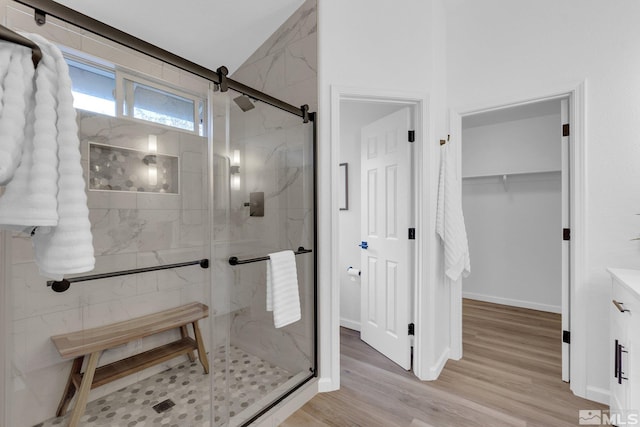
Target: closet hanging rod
{"x": 13, "y": 37}
{"x": 63, "y": 285}
{"x": 235, "y": 261}
{"x": 508, "y": 174}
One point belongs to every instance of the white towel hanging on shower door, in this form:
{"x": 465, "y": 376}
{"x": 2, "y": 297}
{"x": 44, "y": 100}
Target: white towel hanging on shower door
{"x": 282, "y": 288}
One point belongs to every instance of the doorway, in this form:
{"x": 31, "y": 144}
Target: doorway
{"x": 382, "y": 103}
{"x": 375, "y": 215}
{"x": 515, "y": 194}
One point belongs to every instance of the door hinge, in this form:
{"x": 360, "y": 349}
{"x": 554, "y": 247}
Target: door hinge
{"x": 412, "y": 136}
{"x": 412, "y": 234}
{"x": 565, "y": 129}
{"x": 566, "y": 337}
{"x": 566, "y": 234}
{"x": 412, "y": 329}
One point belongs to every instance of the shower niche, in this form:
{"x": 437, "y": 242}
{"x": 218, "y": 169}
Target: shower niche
{"x": 114, "y": 168}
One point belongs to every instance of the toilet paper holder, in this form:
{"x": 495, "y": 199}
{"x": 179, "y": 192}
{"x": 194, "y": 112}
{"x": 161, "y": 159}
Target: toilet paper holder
{"x": 350, "y": 268}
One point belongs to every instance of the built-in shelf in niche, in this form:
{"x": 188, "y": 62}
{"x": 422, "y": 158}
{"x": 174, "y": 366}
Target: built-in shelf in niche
{"x": 114, "y": 168}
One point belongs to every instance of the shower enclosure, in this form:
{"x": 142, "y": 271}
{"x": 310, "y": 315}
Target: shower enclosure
{"x": 181, "y": 165}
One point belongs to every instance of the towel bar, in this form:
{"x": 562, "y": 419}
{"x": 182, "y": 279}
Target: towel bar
{"x": 235, "y": 261}
{"x": 13, "y": 37}
{"x": 63, "y": 285}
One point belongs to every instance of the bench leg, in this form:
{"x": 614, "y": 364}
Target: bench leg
{"x": 85, "y": 388}
{"x": 202, "y": 353}
{"x": 70, "y": 389}
{"x": 184, "y": 332}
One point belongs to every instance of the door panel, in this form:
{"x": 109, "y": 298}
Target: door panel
{"x": 385, "y": 219}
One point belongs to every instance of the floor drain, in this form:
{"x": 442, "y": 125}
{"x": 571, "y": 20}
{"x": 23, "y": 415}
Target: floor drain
{"x": 164, "y": 405}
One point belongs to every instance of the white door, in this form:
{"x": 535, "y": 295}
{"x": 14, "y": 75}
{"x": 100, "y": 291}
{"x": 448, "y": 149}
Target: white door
{"x": 564, "y": 117}
{"x": 386, "y": 212}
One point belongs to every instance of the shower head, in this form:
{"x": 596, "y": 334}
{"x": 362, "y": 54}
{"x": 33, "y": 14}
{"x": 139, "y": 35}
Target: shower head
{"x": 244, "y": 102}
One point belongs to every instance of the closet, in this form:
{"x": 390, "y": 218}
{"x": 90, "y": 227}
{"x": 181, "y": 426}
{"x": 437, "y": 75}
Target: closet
{"x": 512, "y": 203}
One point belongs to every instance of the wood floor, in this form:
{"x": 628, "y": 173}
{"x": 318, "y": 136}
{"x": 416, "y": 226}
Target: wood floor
{"x": 509, "y": 376}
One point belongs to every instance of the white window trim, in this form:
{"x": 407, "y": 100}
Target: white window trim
{"x": 120, "y": 96}
{"x": 124, "y": 98}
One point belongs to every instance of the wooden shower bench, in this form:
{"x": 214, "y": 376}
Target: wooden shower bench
{"x": 94, "y": 341}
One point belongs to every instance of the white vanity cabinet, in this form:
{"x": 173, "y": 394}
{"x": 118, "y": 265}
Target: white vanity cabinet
{"x": 625, "y": 341}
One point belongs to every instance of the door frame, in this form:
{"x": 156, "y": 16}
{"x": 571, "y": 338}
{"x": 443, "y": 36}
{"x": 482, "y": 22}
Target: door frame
{"x": 380, "y": 246}
{"x": 5, "y": 333}
{"x": 577, "y": 218}
{"x": 329, "y": 319}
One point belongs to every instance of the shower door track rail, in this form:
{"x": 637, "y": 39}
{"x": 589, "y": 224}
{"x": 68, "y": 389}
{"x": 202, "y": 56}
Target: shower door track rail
{"x": 63, "y": 285}
{"x": 42, "y": 8}
{"x": 235, "y": 261}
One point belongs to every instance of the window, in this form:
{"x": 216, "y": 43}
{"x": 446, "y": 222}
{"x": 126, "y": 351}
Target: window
{"x": 119, "y": 94}
{"x": 157, "y": 105}
{"x": 93, "y": 88}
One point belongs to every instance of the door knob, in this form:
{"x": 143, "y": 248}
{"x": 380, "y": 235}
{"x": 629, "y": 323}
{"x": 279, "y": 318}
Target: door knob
{"x": 364, "y": 245}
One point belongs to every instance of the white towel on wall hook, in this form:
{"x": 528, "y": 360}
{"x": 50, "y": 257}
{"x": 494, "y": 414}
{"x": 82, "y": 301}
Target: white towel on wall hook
{"x": 450, "y": 220}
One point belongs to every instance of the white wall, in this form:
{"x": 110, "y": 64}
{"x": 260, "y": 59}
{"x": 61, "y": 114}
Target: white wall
{"x": 514, "y": 146}
{"x": 514, "y": 225}
{"x": 394, "y": 47}
{"x": 514, "y": 240}
{"x": 500, "y": 51}
{"x": 353, "y": 116}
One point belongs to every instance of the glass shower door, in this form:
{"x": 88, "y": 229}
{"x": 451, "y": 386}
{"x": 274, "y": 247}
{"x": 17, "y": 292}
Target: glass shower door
{"x": 263, "y": 202}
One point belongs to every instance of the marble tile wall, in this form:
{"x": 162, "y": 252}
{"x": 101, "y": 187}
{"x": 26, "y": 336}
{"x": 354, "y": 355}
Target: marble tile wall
{"x": 130, "y": 230}
{"x": 286, "y": 65}
{"x": 277, "y": 158}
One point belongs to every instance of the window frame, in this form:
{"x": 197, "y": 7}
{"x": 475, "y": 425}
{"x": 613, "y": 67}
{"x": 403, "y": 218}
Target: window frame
{"x": 121, "y": 97}
{"x": 125, "y": 97}
{"x": 102, "y": 66}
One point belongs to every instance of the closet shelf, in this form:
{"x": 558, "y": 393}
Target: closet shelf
{"x": 510, "y": 174}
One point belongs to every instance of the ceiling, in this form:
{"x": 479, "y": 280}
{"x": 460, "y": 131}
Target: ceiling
{"x": 208, "y": 32}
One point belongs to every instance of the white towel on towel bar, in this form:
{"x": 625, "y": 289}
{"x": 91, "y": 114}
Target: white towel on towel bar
{"x": 450, "y": 220}
{"x": 47, "y": 190}
{"x": 282, "y": 288}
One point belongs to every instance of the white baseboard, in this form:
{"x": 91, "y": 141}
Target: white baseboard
{"x": 598, "y": 394}
{"x": 350, "y": 324}
{"x": 326, "y": 384}
{"x": 433, "y": 372}
{"x": 513, "y": 302}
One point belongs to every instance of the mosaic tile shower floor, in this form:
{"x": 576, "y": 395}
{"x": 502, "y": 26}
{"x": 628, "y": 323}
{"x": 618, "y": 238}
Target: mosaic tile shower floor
{"x": 250, "y": 379}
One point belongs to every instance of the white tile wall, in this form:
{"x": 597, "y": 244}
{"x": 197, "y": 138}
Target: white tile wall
{"x": 130, "y": 230}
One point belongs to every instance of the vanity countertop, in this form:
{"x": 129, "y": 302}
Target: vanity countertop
{"x": 628, "y": 277}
